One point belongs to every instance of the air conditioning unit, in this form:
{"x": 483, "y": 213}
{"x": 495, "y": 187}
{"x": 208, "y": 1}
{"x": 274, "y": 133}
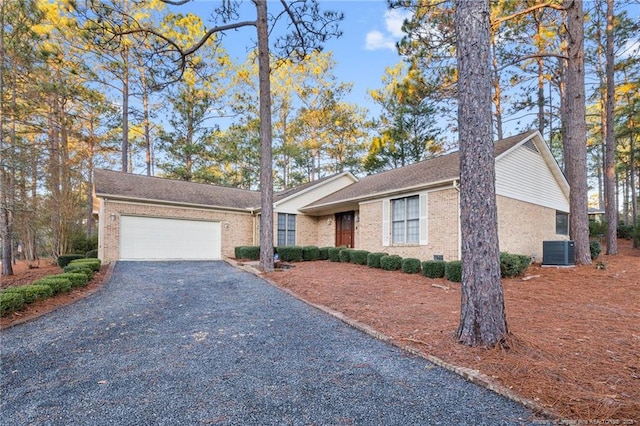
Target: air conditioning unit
{"x": 558, "y": 253}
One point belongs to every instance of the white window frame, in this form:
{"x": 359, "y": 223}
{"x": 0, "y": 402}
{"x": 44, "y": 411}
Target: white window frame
{"x": 289, "y": 231}
{"x": 387, "y": 220}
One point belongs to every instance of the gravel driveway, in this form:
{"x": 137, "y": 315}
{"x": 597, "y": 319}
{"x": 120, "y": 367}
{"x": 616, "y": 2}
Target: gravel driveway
{"x": 170, "y": 343}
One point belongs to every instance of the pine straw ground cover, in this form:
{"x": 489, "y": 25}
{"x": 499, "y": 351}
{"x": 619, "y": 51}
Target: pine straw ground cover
{"x": 574, "y": 347}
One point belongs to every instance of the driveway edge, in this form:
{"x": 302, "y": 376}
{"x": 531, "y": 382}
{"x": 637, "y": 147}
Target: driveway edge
{"x": 469, "y": 374}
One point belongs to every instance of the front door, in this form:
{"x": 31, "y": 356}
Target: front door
{"x": 345, "y": 225}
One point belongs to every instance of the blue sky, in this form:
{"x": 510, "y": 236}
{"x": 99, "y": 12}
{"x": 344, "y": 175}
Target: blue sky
{"x": 365, "y": 50}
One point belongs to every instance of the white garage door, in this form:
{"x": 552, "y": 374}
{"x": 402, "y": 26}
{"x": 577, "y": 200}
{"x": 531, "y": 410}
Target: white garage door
{"x": 150, "y": 238}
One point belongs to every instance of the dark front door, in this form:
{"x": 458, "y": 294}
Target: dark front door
{"x": 345, "y": 225}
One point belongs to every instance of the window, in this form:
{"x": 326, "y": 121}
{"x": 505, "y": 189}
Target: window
{"x": 286, "y": 229}
{"x": 405, "y": 219}
{"x": 562, "y": 223}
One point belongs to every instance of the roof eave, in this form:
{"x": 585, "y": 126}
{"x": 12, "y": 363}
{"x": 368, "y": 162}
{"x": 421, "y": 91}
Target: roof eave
{"x": 376, "y": 195}
{"x": 175, "y": 203}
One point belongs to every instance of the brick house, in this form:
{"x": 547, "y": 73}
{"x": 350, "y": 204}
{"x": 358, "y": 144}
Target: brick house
{"x": 412, "y": 211}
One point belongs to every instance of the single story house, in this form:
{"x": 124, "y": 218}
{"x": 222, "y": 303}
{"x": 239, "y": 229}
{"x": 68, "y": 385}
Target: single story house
{"x": 411, "y": 211}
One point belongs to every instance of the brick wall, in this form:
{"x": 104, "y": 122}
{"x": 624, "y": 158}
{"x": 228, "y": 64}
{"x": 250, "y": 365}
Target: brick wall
{"x": 442, "y": 225}
{"x": 524, "y": 226}
{"x": 236, "y": 227}
{"x": 326, "y": 231}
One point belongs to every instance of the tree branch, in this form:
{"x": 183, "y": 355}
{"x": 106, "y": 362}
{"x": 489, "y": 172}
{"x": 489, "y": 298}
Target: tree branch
{"x": 525, "y": 11}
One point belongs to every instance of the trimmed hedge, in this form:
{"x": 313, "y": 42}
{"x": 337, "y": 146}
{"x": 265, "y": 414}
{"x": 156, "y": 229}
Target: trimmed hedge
{"x": 391, "y": 263}
{"x": 410, "y": 265}
{"x": 323, "y": 253}
{"x": 373, "y": 259}
{"x": 65, "y": 259}
{"x": 334, "y": 254}
{"x": 595, "y": 248}
{"x": 433, "y": 268}
{"x": 289, "y": 253}
{"x": 79, "y": 268}
{"x": 92, "y": 254}
{"x": 58, "y": 285}
{"x": 78, "y": 279}
{"x": 93, "y": 264}
{"x": 32, "y": 293}
{"x": 345, "y": 255}
{"x": 358, "y": 257}
{"x": 453, "y": 271}
{"x": 310, "y": 253}
{"x": 513, "y": 265}
{"x": 10, "y": 302}
{"x": 247, "y": 252}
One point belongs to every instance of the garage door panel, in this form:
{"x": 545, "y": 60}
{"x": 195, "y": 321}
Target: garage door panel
{"x": 148, "y": 238}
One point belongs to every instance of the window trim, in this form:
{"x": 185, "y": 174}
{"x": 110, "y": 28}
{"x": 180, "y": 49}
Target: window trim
{"x": 405, "y": 220}
{"x": 422, "y": 220}
{"x": 288, "y": 232}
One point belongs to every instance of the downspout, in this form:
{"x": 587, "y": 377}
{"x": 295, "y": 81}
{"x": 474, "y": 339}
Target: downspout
{"x": 254, "y": 231}
{"x": 456, "y": 186}
{"x": 101, "y": 229}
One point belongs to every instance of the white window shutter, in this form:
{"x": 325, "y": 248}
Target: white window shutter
{"x": 386, "y": 204}
{"x": 424, "y": 234}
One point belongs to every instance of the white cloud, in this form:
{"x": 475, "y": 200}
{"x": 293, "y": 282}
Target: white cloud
{"x": 393, "y": 19}
{"x": 375, "y": 40}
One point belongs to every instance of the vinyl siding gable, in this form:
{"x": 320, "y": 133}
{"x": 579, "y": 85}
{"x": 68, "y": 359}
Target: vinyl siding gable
{"x": 524, "y": 174}
{"x": 297, "y": 201}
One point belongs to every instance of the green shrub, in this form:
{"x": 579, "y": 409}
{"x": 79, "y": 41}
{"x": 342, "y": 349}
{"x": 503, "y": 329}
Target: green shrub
{"x": 247, "y": 252}
{"x": 32, "y": 293}
{"x": 410, "y": 265}
{"x": 323, "y": 253}
{"x": 10, "y": 302}
{"x": 92, "y": 254}
{"x": 453, "y": 271}
{"x": 433, "y": 268}
{"x": 373, "y": 259}
{"x": 58, "y": 285}
{"x": 93, "y": 264}
{"x": 358, "y": 257}
{"x": 345, "y": 255}
{"x": 289, "y": 253}
{"x": 513, "y": 265}
{"x": 80, "y": 243}
{"x": 597, "y": 228}
{"x": 334, "y": 254}
{"x": 625, "y": 230}
{"x": 84, "y": 269}
{"x": 65, "y": 259}
{"x": 595, "y": 248}
{"x": 310, "y": 253}
{"x": 391, "y": 263}
{"x": 78, "y": 279}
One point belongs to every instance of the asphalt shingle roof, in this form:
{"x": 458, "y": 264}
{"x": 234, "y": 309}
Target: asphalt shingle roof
{"x": 129, "y": 186}
{"x": 439, "y": 169}
{"x": 154, "y": 189}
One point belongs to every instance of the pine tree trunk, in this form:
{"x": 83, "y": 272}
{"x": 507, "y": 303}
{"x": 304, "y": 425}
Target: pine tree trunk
{"x": 482, "y": 320}
{"x": 266, "y": 166}
{"x": 610, "y": 207}
{"x": 576, "y": 132}
{"x": 125, "y": 109}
